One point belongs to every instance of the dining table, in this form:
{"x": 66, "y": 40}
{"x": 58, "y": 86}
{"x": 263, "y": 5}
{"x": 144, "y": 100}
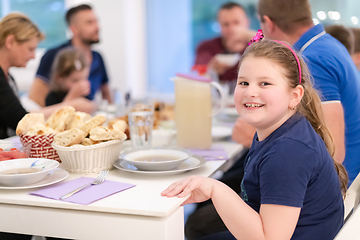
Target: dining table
{"x": 137, "y": 213}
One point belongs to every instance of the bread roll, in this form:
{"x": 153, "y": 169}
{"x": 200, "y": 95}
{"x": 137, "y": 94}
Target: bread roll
{"x": 93, "y": 122}
{"x": 69, "y": 137}
{"x": 40, "y": 129}
{"x": 61, "y": 118}
{"x": 28, "y": 121}
{"x": 105, "y": 134}
{"x": 88, "y": 142}
{"x": 78, "y": 119}
{"x": 119, "y": 125}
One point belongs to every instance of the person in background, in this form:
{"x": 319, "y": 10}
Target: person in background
{"x": 84, "y": 26}
{"x": 231, "y": 18}
{"x": 19, "y": 38}
{"x": 292, "y": 186}
{"x": 343, "y": 35}
{"x": 69, "y": 69}
{"x": 335, "y": 75}
{"x": 356, "y": 54}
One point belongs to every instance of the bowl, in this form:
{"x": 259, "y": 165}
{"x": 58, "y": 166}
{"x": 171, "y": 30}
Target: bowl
{"x": 228, "y": 59}
{"x": 25, "y": 175}
{"x": 40, "y": 146}
{"x": 156, "y": 159}
{"x": 90, "y": 159}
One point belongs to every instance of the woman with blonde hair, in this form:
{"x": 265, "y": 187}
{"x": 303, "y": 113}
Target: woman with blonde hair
{"x": 19, "y": 38}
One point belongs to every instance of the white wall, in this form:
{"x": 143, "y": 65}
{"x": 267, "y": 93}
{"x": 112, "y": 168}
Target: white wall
{"x": 123, "y": 43}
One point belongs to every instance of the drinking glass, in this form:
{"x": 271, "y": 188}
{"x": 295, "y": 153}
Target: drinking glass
{"x": 141, "y": 121}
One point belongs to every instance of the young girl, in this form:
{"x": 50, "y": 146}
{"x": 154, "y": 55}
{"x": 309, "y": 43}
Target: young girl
{"x": 291, "y": 189}
{"x": 69, "y": 78}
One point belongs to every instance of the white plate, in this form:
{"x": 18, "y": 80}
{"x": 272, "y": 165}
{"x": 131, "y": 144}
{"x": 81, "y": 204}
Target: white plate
{"x": 220, "y": 132}
{"x": 57, "y": 175}
{"x": 189, "y": 164}
{"x": 174, "y": 156}
{"x": 6, "y": 145}
{"x": 231, "y": 111}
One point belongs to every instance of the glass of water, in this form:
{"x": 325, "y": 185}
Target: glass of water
{"x": 141, "y": 121}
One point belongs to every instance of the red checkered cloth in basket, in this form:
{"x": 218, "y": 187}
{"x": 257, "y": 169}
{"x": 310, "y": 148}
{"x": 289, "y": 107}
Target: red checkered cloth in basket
{"x": 40, "y": 146}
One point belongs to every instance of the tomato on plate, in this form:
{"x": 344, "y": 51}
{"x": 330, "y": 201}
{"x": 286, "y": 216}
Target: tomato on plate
{"x": 14, "y": 153}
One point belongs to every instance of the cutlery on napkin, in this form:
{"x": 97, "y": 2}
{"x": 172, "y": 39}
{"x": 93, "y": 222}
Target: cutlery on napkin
{"x": 85, "y": 196}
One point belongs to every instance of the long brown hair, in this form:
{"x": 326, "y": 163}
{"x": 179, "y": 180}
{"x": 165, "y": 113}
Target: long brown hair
{"x": 310, "y": 104}
{"x": 20, "y": 26}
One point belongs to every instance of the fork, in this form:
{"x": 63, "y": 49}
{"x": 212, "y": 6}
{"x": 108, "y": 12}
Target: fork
{"x": 99, "y": 180}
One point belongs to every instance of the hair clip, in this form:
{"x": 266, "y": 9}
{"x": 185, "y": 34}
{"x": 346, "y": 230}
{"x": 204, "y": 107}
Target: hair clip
{"x": 77, "y": 65}
{"x": 259, "y": 35}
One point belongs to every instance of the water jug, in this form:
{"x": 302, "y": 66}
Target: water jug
{"x": 193, "y": 110}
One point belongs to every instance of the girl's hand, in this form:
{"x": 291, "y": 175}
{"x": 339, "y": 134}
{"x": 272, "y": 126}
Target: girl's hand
{"x": 79, "y": 89}
{"x": 200, "y": 188}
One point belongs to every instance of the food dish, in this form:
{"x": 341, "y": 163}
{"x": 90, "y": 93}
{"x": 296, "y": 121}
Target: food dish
{"x": 90, "y": 159}
{"x": 191, "y": 163}
{"x": 156, "y": 159}
{"x": 220, "y": 132}
{"x": 55, "y": 176}
{"x": 20, "y": 172}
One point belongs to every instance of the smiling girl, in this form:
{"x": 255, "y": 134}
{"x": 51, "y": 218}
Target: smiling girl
{"x": 69, "y": 79}
{"x": 292, "y": 187}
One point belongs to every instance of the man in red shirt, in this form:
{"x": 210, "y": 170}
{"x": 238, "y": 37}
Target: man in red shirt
{"x": 232, "y": 18}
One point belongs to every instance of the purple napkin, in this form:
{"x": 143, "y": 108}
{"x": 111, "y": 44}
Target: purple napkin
{"x": 214, "y": 153}
{"x": 87, "y": 195}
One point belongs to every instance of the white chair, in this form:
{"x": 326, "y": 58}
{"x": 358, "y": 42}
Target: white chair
{"x": 350, "y": 230}
{"x": 352, "y": 197}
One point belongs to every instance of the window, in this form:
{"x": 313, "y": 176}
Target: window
{"x": 48, "y": 15}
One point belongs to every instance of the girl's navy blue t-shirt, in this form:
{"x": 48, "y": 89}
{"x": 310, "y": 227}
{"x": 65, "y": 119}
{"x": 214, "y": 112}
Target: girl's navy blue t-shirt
{"x": 292, "y": 167}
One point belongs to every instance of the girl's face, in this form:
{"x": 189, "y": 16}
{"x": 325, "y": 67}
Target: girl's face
{"x": 263, "y": 97}
{"x": 74, "y": 78}
{"x": 22, "y": 52}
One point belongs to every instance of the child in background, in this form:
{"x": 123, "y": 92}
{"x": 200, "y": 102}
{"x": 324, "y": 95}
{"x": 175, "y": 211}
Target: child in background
{"x": 69, "y": 79}
{"x": 292, "y": 186}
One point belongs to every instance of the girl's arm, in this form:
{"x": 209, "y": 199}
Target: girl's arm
{"x": 80, "y": 104}
{"x": 275, "y": 222}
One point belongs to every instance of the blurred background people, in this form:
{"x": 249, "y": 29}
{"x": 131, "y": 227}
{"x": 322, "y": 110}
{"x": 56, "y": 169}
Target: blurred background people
{"x": 231, "y": 17}
{"x": 343, "y": 35}
{"x": 356, "y": 54}
{"x": 84, "y": 26}
{"x": 69, "y": 77}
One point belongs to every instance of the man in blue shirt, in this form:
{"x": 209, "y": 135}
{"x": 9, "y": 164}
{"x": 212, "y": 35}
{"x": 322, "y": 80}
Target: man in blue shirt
{"x": 334, "y": 73}
{"x": 84, "y": 26}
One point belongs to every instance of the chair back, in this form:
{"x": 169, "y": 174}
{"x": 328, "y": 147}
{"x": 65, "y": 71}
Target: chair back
{"x": 352, "y": 197}
{"x": 350, "y": 230}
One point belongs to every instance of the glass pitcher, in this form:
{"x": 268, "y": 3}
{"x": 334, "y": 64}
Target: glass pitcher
{"x": 193, "y": 110}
